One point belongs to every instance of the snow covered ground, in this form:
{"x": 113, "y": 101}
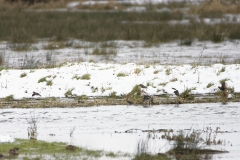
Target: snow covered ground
{"x": 166, "y": 64}
{"x": 106, "y": 78}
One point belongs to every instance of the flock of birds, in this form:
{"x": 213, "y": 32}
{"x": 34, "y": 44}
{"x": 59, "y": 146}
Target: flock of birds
{"x": 147, "y": 97}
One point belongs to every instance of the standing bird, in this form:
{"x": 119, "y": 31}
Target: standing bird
{"x": 223, "y": 87}
{"x": 13, "y": 152}
{"x": 129, "y": 102}
{"x": 142, "y": 86}
{"x": 146, "y": 98}
{"x": 176, "y": 92}
{"x": 35, "y": 94}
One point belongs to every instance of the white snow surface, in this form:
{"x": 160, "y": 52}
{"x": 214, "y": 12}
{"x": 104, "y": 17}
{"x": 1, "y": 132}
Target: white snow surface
{"x": 105, "y": 77}
{"x": 6, "y": 138}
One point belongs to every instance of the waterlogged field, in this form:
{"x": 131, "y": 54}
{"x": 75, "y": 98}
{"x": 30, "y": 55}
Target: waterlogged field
{"x": 121, "y": 128}
{"x": 168, "y": 34}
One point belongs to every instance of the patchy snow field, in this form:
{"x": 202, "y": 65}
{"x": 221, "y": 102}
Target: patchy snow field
{"x": 106, "y": 78}
{"x": 104, "y": 127}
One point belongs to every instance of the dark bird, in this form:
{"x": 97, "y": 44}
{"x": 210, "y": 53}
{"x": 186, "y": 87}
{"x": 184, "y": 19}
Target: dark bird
{"x": 1, "y": 156}
{"x": 223, "y": 87}
{"x": 35, "y": 94}
{"x": 176, "y": 92}
{"x": 13, "y": 152}
{"x": 146, "y": 98}
{"x": 71, "y": 147}
{"x": 142, "y": 86}
{"x": 129, "y": 102}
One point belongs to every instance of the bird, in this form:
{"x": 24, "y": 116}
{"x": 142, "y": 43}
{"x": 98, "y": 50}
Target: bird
{"x": 176, "y": 92}
{"x": 71, "y": 147}
{"x": 146, "y": 98}
{"x": 1, "y": 156}
{"x": 142, "y": 86}
{"x": 129, "y": 102}
{"x": 223, "y": 87}
{"x": 13, "y": 152}
{"x": 35, "y": 94}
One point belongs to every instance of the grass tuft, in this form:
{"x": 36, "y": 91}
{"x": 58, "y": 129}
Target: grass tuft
{"x": 1, "y": 59}
{"x": 86, "y": 77}
{"x": 49, "y": 83}
{"x": 135, "y": 95}
{"x": 43, "y": 79}
{"x": 76, "y": 77}
{"x": 9, "y": 98}
{"x": 69, "y": 93}
{"x": 210, "y": 85}
{"x": 121, "y": 74}
{"x": 137, "y": 71}
{"x": 23, "y": 75}
{"x": 186, "y": 94}
{"x": 113, "y": 94}
{"x": 168, "y": 71}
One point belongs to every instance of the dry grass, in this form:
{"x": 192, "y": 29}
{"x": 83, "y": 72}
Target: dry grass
{"x": 104, "y": 27}
{"x": 216, "y": 7}
{"x": 85, "y": 101}
{"x": 51, "y": 4}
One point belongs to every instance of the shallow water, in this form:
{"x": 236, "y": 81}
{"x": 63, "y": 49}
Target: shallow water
{"x": 104, "y": 127}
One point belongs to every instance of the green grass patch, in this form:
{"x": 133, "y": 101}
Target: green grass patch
{"x": 210, "y": 85}
{"x": 43, "y": 79}
{"x": 113, "y": 94}
{"x": 69, "y": 93}
{"x": 223, "y": 80}
{"x": 221, "y": 70}
{"x": 163, "y": 84}
{"x": 36, "y": 149}
{"x": 135, "y": 95}
{"x": 9, "y": 98}
{"x": 49, "y": 83}
{"x": 186, "y": 94}
{"x": 86, "y": 77}
{"x": 156, "y": 72}
{"x": 173, "y": 80}
{"x": 76, "y": 77}
{"x": 122, "y": 74}
{"x": 23, "y": 75}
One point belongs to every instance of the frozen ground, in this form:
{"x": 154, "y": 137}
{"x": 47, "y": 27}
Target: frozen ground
{"x": 104, "y": 127}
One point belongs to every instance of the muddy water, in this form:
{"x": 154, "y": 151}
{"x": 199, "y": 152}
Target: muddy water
{"x": 104, "y": 127}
